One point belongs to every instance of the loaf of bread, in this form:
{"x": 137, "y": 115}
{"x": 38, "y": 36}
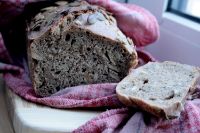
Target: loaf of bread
{"x": 159, "y": 88}
{"x": 75, "y": 44}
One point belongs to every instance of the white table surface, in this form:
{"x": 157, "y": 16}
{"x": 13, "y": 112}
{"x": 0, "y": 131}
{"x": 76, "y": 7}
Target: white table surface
{"x": 26, "y": 117}
{"x": 5, "y": 124}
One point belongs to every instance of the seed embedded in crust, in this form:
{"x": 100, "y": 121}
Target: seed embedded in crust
{"x": 74, "y": 4}
{"x": 100, "y": 16}
{"x": 92, "y": 19}
{"x": 61, "y": 3}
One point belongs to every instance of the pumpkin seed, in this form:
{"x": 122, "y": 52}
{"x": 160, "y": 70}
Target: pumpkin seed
{"x": 92, "y": 19}
{"x": 74, "y": 4}
{"x": 100, "y": 16}
{"x": 61, "y": 3}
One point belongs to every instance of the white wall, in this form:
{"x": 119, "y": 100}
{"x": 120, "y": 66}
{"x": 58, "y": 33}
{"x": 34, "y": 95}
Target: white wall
{"x": 173, "y": 47}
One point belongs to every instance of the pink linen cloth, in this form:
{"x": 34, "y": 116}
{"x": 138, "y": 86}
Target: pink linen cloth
{"x": 142, "y": 27}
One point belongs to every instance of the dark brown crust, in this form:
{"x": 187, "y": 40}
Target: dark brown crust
{"x": 132, "y": 102}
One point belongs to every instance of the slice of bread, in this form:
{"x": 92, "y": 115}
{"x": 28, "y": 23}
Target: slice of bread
{"x": 159, "y": 88}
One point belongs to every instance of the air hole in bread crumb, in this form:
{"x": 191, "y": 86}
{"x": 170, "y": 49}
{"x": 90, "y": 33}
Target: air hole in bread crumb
{"x": 123, "y": 87}
{"x": 50, "y": 91}
{"x": 88, "y": 49}
{"x": 120, "y": 74}
{"x": 151, "y": 98}
{"x": 87, "y": 32}
{"x": 58, "y": 72}
{"x": 94, "y": 59}
{"x": 120, "y": 61}
{"x": 37, "y": 28}
{"x": 43, "y": 83}
{"x": 192, "y": 76}
{"x": 73, "y": 41}
{"x": 64, "y": 13}
{"x": 140, "y": 89}
{"x": 83, "y": 69}
{"x": 123, "y": 54}
{"x": 82, "y": 82}
{"x": 76, "y": 16}
{"x": 107, "y": 56}
{"x": 67, "y": 37}
{"x": 57, "y": 88}
{"x": 35, "y": 61}
{"x": 170, "y": 96}
{"x": 145, "y": 81}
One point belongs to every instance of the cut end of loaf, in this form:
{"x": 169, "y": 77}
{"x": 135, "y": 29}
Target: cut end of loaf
{"x": 159, "y": 88}
{"x": 75, "y": 44}
{"x": 77, "y": 57}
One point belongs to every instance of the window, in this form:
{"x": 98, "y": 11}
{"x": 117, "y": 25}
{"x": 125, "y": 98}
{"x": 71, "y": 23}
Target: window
{"x": 179, "y": 36}
{"x": 186, "y": 8}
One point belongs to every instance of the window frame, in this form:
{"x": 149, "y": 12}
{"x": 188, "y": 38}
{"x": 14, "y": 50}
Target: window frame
{"x": 177, "y": 12}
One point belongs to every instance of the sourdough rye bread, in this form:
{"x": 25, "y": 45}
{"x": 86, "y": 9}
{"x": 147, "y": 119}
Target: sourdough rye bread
{"x": 75, "y": 44}
{"x": 159, "y": 88}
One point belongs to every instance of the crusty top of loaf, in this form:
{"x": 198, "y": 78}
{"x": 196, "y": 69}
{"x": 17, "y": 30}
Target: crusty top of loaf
{"x": 79, "y": 14}
{"x": 160, "y": 85}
